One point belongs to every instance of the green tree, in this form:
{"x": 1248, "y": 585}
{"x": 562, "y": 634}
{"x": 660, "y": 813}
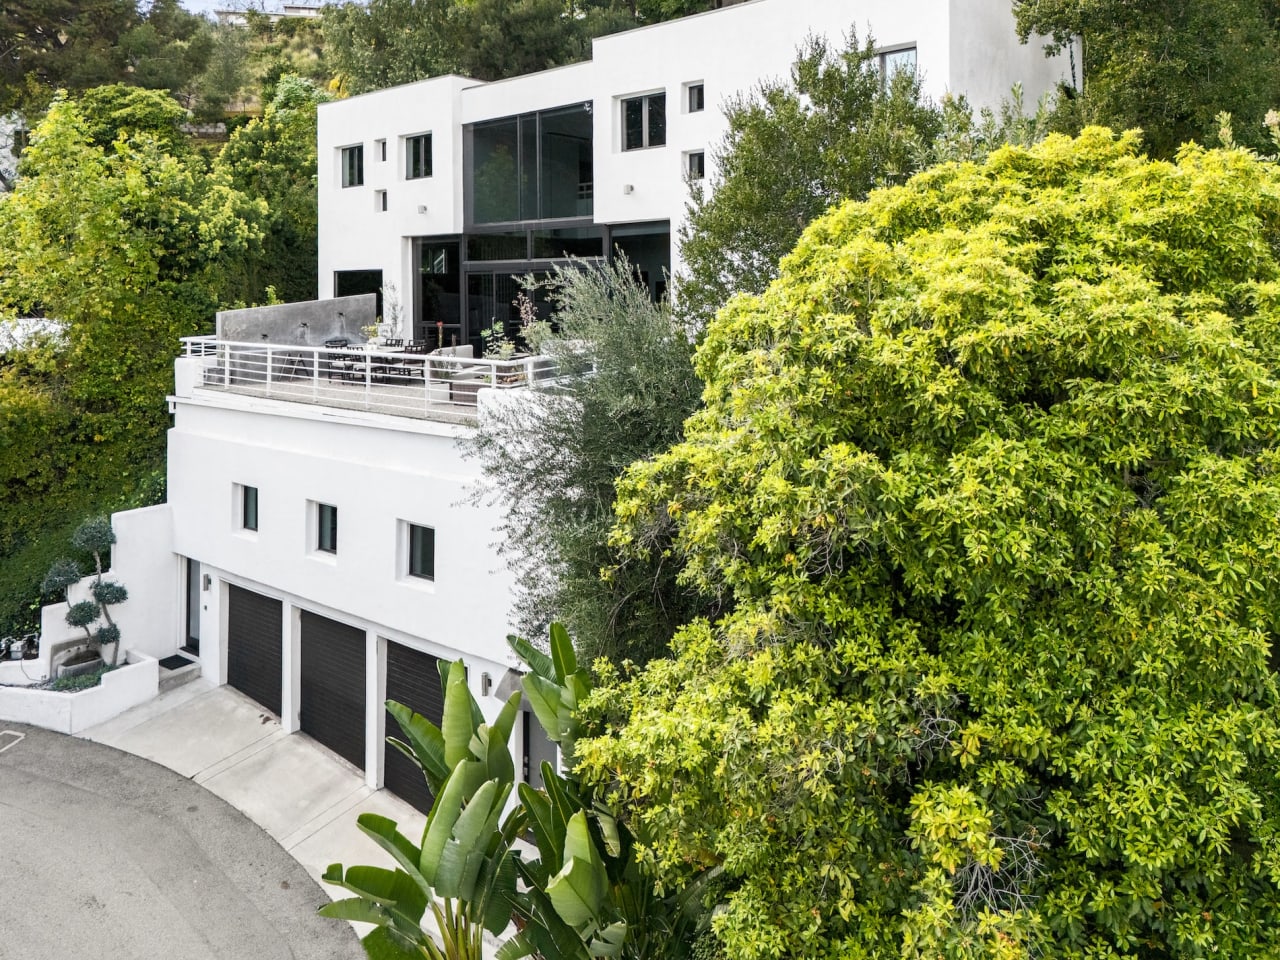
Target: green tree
{"x": 553, "y": 464}
{"x": 273, "y": 158}
{"x": 1166, "y": 66}
{"x": 834, "y": 131}
{"x": 388, "y": 42}
{"x": 988, "y": 479}
{"x": 126, "y": 246}
{"x": 46, "y": 45}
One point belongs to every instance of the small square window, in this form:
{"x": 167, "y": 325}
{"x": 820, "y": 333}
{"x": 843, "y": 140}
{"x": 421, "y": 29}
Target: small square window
{"x": 353, "y": 166}
{"x": 697, "y": 98}
{"x": 380, "y": 201}
{"x": 249, "y": 508}
{"x": 644, "y": 121}
{"x": 417, "y": 156}
{"x": 326, "y": 528}
{"x": 696, "y": 165}
{"x": 422, "y": 552}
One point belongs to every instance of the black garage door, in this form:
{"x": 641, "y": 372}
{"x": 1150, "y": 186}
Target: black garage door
{"x": 332, "y": 709}
{"x": 413, "y": 678}
{"x": 254, "y": 646}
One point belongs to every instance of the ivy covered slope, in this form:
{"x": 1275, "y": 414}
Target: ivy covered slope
{"x": 990, "y": 477}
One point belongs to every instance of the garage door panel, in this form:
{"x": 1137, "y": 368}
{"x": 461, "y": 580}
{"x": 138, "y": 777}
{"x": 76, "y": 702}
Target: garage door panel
{"x": 254, "y": 646}
{"x": 333, "y": 686}
{"x": 413, "y": 678}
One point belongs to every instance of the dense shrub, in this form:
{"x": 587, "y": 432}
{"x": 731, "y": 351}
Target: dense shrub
{"x": 990, "y": 481}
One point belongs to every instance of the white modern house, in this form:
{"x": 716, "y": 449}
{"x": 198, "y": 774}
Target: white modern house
{"x": 320, "y": 549}
{"x": 449, "y": 189}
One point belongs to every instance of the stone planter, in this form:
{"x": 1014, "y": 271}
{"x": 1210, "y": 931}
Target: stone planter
{"x": 80, "y": 664}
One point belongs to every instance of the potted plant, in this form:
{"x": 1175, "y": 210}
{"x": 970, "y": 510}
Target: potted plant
{"x": 95, "y": 537}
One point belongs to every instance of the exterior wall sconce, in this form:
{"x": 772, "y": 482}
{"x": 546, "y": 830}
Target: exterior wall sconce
{"x": 486, "y": 684}
{"x": 422, "y": 208}
{"x": 206, "y": 581}
{"x": 628, "y": 189}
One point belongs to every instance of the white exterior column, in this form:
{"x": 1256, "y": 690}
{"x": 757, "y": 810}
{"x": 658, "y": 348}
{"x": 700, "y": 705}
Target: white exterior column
{"x": 291, "y": 668}
{"x": 375, "y": 683}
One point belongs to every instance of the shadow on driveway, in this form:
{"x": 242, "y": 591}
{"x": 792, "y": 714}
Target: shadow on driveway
{"x": 106, "y": 855}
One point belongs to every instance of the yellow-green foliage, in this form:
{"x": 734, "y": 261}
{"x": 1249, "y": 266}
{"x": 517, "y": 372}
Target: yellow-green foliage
{"x": 989, "y": 478}
{"x": 125, "y": 244}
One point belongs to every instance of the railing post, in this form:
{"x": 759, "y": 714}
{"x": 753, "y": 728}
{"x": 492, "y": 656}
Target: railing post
{"x": 268, "y": 369}
{"x": 226, "y": 366}
{"x": 315, "y": 375}
{"x": 368, "y": 378}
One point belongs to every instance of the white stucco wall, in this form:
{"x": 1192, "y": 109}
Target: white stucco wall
{"x": 354, "y": 233}
{"x": 381, "y": 473}
{"x": 144, "y": 562}
{"x": 963, "y": 46}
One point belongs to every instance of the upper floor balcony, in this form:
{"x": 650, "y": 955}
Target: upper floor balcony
{"x": 402, "y": 381}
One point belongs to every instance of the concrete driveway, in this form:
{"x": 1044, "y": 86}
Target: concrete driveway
{"x": 107, "y": 855}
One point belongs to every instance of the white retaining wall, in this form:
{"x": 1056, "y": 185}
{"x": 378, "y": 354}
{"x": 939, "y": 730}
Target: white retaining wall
{"x": 71, "y": 713}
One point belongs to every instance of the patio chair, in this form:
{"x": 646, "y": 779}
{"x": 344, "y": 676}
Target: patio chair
{"x": 338, "y": 362}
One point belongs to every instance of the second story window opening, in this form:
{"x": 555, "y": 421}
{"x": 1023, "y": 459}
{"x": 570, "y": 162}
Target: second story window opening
{"x": 697, "y": 98}
{"x": 644, "y": 121}
{"x": 353, "y": 166}
{"x": 536, "y": 166}
{"x": 890, "y": 62}
{"x": 417, "y": 156}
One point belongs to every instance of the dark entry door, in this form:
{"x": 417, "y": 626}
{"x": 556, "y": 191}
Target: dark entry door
{"x": 332, "y": 708}
{"x": 254, "y": 644}
{"x": 413, "y": 678}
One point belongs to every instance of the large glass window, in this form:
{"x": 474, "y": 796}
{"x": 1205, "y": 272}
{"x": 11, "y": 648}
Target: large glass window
{"x": 567, "y": 175}
{"x": 644, "y": 121}
{"x": 353, "y": 166}
{"x": 495, "y": 183}
{"x": 537, "y": 166}
{"x": 417, "y": 156}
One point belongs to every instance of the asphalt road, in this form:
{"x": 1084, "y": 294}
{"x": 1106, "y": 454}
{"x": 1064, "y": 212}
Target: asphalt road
{"x": 106, "y": 856}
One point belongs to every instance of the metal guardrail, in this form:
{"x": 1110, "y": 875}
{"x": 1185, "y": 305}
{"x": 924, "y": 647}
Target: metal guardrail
{"x": 381, "y": 380}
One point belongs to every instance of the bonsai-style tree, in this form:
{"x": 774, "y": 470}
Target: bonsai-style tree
{"x": 988, "y": 482}
{"x": 94, "y": 537}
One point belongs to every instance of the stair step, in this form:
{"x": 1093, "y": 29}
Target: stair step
{"x": 169, "y": 679}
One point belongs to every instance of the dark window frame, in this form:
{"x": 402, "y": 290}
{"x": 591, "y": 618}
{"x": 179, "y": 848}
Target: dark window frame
{"x": 696, "y": 101}
{"x": 647, "y": 102}
{"x": 421, "y": 543}
{"x": 418, "y": 163}
{"x": 696, "y": 165}
{"x": 326, "y": 530}
{"x": 353, "y": 166}
{"x": 249, "y": 508}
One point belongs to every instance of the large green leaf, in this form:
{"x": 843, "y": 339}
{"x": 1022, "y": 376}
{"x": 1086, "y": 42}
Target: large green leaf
{"x": 498, "y": 893}
{"x": 549, "y": 840}
{"x": 444, "y": 814}
{"x": 382, "y": 944}
{"x": 545, "y": 698}
{"x": 579, "y": 888}
{"x": 425, "y": 739}
{"x": 538, "y": 661}
{"x": 609, "y": 941}
{"x": 456, "y": 725}
{"x": 562, "y": 655}
{"x": 356, "y": 909}
{"x": 457, "y": 870}
{"x": 386, "y": 834}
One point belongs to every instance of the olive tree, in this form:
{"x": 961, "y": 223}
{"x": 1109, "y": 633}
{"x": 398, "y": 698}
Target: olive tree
{"x": 989, "y": 483}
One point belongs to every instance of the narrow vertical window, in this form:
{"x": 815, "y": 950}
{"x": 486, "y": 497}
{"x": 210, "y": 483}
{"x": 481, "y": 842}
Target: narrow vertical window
{"x": 327, "y": 528}
{"x": 422, "y": 552}
{"x": 353, "y": 166}
{"x": 417, "y": 156}
{"x": 249, "y": 508}
{"x": 380, "y": 201}
{"x": 697, "y": 165}
{"x": 697, "y": 98}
